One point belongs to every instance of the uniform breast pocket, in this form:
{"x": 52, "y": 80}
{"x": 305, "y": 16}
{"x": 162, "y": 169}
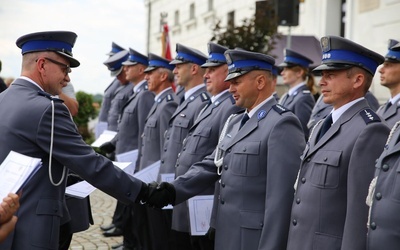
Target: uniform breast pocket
{"x": 151, "y": 126}
{"x": 200, "y": 140}
{"x": 246, "y": 159}
{"x": 181, "y": 125}
{"x": 325, "y": 170}
{"x": 128, "y": 117}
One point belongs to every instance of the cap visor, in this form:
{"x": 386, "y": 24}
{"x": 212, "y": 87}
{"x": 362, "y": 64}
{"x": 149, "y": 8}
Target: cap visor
{"x": 73, "y": 63}
{"x": 210, "y": 64}
{"x": 335, "y": 66}
{"x": 129, "y": 63}
{"x": 150, "y": 68}
{"x": 231, "y": 76}
{"x": 175, "y": 61}
{"x": 116, "y": 72}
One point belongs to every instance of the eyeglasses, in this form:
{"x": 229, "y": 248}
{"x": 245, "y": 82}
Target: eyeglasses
{"x": 65, "y": 68}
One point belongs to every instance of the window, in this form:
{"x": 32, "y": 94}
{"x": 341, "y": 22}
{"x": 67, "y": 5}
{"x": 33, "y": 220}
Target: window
{"x": 231, "y": 20}
{"x": 176, "y": 18}
{"x": 192, "y": 11}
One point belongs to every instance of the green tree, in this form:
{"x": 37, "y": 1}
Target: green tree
{"x": 86, "y": 112}
{"x": 255, "y": 34}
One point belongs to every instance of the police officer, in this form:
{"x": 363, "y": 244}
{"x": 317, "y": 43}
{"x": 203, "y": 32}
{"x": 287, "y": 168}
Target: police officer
{"x": 390, "y": 78}
{"x": 160, "y": 78}
{"x": 109, "y": 92}
{"x": 329, "y": 210}
{"x": 188, "y": 74}
{"x": 41, "y": 126}
{"x": 203, "y": 135}
{"x": 255, "y": 164}
{"x": 299, "y": 99}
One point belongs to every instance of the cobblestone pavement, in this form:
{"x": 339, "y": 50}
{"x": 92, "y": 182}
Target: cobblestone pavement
{"x": 103, "y": 207}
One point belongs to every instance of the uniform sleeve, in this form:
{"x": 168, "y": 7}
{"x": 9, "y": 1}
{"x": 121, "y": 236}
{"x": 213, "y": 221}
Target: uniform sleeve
{"x": 367, "y": 149}
{"x": 71, "y": 151}
{"x": 285, "y": 145}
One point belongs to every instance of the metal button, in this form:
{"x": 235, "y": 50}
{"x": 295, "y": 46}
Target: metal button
{"x": 326, "y": 158}
{"x": 298, "y": 200}
{"x": 303, "y": 180}
{"x": 294, "y": 222}
{"x": 222, "y": 201}
{"x": 378, "y": 196}
{"x": 226, "y": 167}
{"x": 373, "y": 225}
{"x": 222, "y": 184}
{"x": 385, "y": 167}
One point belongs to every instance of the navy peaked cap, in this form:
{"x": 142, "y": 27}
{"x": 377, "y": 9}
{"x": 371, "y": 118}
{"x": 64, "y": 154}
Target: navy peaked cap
{"x": 340, "y": 53}
{"x": 393, "y": 54}
{"x": 188, "y": 55}
{"x": 241, "y": 62}
{"x": 114, "y": 62}
{"x": 135, "y": 58}
{"x": 60, "y": 42}
{"x": 156, "y": 61}
{"x": 215, "y": 55}
{"x": 293, "y": 58}
{"x": 115, "y": 48}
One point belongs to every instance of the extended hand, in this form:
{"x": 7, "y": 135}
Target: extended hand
{"x": 161, "y": 195}
{"x": 107, "y": 147}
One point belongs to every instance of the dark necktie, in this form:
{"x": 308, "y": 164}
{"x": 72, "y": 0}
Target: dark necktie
{"x": 325, "y": 126}
{"x": 245, "y": 118}
{"x": 388, "y": 105}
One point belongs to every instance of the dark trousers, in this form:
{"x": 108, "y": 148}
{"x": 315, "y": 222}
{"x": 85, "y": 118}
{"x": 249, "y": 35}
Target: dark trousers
{"x": 136, "y": 233}
{"x": 159, "y": 225}
{"x": 187, "y": 242}
{"x": 119, "y": 215}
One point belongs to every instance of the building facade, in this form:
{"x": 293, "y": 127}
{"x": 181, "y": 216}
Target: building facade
{"x": 370, "y": 23}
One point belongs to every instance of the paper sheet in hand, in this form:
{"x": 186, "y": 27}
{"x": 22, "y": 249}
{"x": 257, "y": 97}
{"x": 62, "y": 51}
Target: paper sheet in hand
{"x": 200, "y": 213}
{"x": 15, "y": 172}
{"x": 83, "y": 189}
{"x": 106, "y": 136}
{"x": 130, "y": 156}
{"x": 100, "y": 127}
{"x": 149, "y": 173}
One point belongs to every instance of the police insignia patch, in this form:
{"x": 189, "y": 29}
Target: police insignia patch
{"x": 261, "y": 114}
{"x": 325, "y": 44}
{"x": 369, "y": 116}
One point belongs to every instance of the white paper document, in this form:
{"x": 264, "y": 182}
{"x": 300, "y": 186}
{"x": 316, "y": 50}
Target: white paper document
{"x": 15, "y": 171}
{"x": 130, "y": 156}
{"x": 148, "y": 174}
{"x": 100, "y": 127}
{"x": 200, "y": 208}
{"x": 83, "y": 189}
{"x": 106, "y": 136}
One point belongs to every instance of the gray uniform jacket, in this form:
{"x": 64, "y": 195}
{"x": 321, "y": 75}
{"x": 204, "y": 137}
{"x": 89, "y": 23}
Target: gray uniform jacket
{"x": 179, "y": 124}
{"x": 321, "y": 109}
{"x": 107, "y": 98}
{"x": 391, "y": 115}
{"x": 301, "y": 104}
{"x": 132, "y": 120}
{"x": 26, "y": 130}
{"x": 329, "y": 210}
{"x": 256, "y": 183}
{"x": 200, "y": 142}
{"x": 121, "y": 96}
{"x": 384, "y": 223}
{"x": 155, "y": 127}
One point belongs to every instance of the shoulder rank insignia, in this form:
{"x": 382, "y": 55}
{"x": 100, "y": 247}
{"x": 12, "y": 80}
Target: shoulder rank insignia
{"x": 204, "y": 97}
{"x": 369, "y": 116}
{"x": 50, "y": 97}
{"x": 280, "y": 109}
{"x": 306, "y": 91}
{"x": 169, "y": 97}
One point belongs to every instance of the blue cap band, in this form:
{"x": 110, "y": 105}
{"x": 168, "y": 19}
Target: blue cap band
{"x": 188, "y": 57}
{"x": 157, "y": 63}
{"x": 217, "y": 57}
{"x": 249, "y": 65}
{"x": 393, "y": 55}
{"x": 38, "y": 45}
{"x": 346, "y": 55}
{"x": 296, "y": 60}
{"x": 141, "y": 60}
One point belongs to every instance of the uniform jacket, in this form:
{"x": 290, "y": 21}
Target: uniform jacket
{"x": 133, "y": 117}
{"x": 391, "y": 115}
{"x": 26, "y": 130}
{"x": 121, "y": 96}
{"x": 200, "y": 142}
{"x": 179, "y": 124}
{"x": 329, "y": 210}
{"x": 107, "y": 98}
{"x": 256, "y": 183}
{"x": 155, "y": 127}
{"x": 383, "y": 231}
{"x": 301, "y": 104}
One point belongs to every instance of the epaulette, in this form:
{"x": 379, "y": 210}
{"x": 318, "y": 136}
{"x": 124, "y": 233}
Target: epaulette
{"x": 280, "y": 109}
{"x": 50, "y": 97}
{"x": 369, "y": 116}
{"x": 169, "y": 98}
{"x": 306, "y": 91}
{"x": 204, "y": 97}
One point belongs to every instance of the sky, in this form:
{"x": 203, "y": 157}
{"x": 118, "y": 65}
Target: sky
{"x": 97, "y": 23}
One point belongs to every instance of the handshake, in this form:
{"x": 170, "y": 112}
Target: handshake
{"x": 157, "y": 195}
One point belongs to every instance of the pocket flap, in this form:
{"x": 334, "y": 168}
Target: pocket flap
{"x": 251, "y": 219}
{"x": 327, "y": 157}
{"x": 203, "y": 132}
{"x": 250, "y": 148}
{"x": 49, "y": 207}
{"x": 151, "y": 123}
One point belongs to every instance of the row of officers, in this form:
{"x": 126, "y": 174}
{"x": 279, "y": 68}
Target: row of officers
{"x": 277, "y": 183}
